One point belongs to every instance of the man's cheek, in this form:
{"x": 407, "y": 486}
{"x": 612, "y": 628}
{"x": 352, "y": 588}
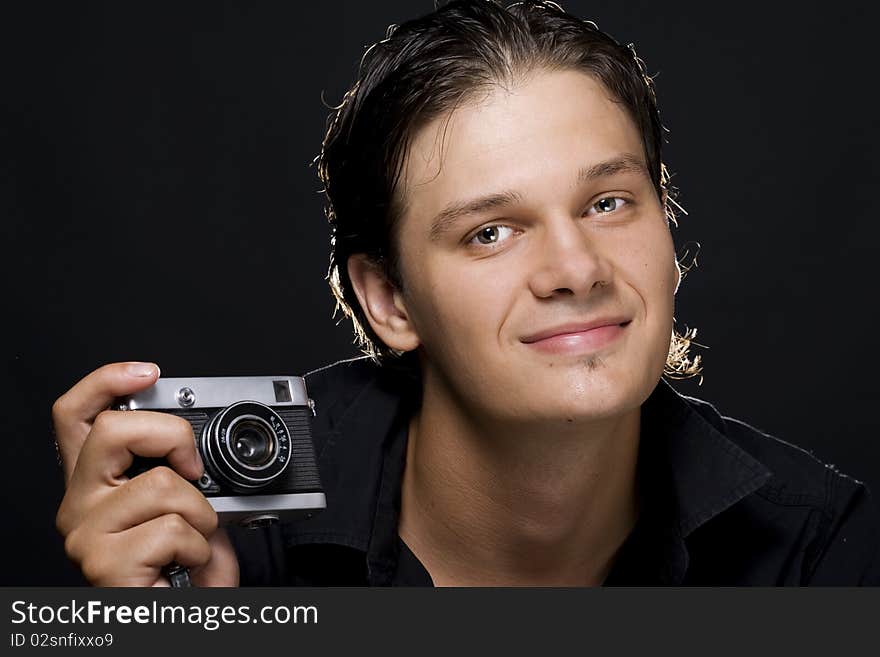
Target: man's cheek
{"x": 653, "y": 273}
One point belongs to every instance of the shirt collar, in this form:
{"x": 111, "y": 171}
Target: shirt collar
{"x": 689, "y": 472}
{"x": 709, "y": 473}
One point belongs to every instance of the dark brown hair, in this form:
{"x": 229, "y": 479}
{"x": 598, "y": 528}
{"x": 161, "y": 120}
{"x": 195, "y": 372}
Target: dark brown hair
{"x": 423, "y": 69}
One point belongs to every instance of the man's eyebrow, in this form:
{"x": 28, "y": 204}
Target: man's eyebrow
{"x": 444, "y": 221}
{"x": 626, "y": 163}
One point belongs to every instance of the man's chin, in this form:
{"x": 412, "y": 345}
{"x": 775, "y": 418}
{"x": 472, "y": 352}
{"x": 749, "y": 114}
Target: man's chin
{"x": 585, "y": 399}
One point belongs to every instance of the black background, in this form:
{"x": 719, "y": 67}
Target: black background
{"x": 158, "y": 203}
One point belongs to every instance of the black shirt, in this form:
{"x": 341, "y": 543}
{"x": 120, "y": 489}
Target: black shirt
{"x": 721, "y": 503}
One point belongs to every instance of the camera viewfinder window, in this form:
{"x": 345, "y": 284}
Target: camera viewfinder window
{"x": 282, "y": 391}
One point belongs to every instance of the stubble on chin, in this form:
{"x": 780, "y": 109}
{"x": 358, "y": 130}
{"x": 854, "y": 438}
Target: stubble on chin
{"x": 593, "y": 363}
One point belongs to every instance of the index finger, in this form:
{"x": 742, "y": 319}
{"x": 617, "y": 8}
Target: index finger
{"x": 74, "y": 412}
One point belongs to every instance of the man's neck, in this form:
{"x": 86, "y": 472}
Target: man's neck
{"x": 512, "y": 505}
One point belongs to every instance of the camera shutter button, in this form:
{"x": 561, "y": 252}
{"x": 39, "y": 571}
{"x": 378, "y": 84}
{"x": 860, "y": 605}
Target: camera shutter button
{"x": 186, "y": 397}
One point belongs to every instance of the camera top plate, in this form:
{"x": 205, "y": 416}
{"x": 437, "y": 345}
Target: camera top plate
{"x": 217, "y": 392}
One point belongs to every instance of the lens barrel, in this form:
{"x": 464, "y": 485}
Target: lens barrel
{"x": 246, "y": 446}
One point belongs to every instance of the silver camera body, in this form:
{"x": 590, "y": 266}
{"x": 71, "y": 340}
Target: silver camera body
{"x": 254, "y": 436}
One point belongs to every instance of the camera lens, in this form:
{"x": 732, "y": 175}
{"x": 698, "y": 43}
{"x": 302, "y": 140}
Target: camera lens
{"x": 252, "y": 444}
{"x": 246, "y": 446}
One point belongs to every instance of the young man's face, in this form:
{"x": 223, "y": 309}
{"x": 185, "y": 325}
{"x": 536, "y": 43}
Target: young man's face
{"x": 569, "y": 232}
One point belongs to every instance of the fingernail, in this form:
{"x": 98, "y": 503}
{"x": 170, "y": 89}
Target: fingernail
{"x": 142, "y": 369}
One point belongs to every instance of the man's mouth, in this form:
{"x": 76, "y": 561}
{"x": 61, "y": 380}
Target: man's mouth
{"x": 578, "y": 337}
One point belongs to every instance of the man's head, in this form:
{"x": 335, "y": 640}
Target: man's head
{"x": 548, "y": 131}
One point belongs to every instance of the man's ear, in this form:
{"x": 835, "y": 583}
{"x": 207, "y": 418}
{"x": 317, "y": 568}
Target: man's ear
{"x": 382, "y": 304}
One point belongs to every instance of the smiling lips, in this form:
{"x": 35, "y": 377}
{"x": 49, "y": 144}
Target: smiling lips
{"x": 578, "y": 337}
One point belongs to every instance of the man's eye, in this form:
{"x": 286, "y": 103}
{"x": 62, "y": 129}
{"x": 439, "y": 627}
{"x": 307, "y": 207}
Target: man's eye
{"x": 491, "y": 235}
{"x": 608, "y": 204}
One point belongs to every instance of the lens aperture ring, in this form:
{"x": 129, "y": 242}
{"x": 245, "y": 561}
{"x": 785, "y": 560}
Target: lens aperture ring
{"x": 247, "y": 445}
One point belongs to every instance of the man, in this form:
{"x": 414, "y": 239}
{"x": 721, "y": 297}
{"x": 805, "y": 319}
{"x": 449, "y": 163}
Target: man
{"x": 500, "y": 215}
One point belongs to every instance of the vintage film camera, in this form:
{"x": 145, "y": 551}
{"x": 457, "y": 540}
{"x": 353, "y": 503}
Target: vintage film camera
{"x": 254, "y": 437}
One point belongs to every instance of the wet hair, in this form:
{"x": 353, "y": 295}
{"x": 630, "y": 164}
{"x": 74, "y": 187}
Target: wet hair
{"x": 423, "y": 69}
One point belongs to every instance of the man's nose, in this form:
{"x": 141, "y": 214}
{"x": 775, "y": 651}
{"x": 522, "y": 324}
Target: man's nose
{"x": 569, "y": 260}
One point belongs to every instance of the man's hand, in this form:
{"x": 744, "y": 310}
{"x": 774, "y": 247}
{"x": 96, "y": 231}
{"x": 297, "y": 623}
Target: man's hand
{"x": 121, "y": 532}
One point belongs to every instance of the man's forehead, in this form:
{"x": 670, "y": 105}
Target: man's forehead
{"x": 543, "y": 117}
